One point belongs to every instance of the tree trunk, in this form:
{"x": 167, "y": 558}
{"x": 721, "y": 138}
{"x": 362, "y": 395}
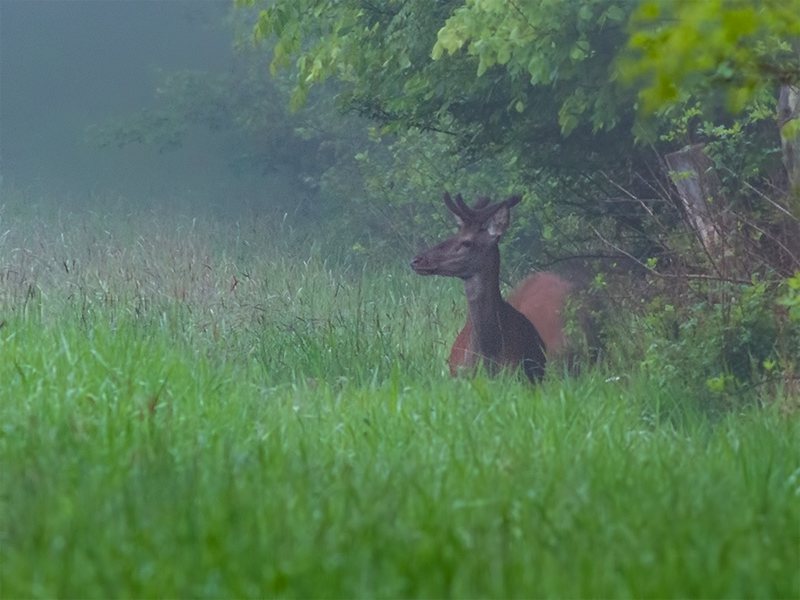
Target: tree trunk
{"x": 789, "y": 127}
{"x": 698, "y": 187}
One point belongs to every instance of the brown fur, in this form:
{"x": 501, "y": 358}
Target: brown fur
{"x": 542, "y": 297}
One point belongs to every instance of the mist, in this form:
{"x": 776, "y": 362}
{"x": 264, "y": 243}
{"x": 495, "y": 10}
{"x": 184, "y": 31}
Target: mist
{"x": 69, "y": 65}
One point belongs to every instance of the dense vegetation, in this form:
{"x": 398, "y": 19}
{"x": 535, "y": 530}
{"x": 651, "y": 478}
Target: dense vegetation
{"x": 668, "y": 176}
{"x": 257, "y": 404}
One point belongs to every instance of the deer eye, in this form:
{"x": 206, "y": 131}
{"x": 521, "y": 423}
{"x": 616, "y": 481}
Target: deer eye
{"x": 466, "y": 244}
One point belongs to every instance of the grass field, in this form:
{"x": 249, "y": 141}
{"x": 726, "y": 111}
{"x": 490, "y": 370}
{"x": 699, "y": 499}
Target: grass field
{"x": 195, "y": 408}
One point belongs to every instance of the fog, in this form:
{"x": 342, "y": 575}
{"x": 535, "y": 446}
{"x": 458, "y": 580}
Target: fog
{"x": 66, "y": 65}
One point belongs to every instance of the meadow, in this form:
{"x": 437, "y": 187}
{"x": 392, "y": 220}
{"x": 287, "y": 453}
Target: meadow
{"x": 194, "y": 406}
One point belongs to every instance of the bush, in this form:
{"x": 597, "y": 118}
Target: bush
{"x": 724, "y": 344}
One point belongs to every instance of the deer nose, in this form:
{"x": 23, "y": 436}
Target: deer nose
{"x": 419, "y": 264}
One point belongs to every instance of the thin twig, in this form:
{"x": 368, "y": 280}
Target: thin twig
{"x": 652, "y": 271}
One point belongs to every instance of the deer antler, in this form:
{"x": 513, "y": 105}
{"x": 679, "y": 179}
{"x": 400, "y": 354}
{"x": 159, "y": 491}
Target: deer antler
{"x": 451, "y": 206}
{"x": 480, "y": 211}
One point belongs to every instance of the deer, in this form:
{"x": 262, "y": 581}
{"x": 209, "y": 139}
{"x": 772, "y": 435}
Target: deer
{"x": 496, "y": 334}
{"x": 522, "y": 332}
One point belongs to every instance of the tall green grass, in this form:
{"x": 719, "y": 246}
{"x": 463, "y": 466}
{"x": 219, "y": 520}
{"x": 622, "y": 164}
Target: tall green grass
{"x": 197, "y": 409}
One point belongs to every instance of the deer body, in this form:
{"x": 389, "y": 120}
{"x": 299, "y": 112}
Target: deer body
{"x": 496, "y": 334}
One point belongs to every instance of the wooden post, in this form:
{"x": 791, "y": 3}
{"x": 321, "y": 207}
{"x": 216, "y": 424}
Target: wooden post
{"x": 789, "y": 126}
{"x": 698, "y": 187}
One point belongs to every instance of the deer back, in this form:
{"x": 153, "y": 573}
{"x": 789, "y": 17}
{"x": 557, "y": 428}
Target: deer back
{"x": 543, "y": 298}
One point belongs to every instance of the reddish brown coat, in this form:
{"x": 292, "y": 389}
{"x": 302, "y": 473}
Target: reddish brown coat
{"x": 542, "y": 298}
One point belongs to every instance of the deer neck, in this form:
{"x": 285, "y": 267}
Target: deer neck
{"x": 484, "y": 304}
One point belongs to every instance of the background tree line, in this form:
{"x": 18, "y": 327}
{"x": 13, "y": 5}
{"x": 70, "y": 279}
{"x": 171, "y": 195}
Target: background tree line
{"x": 655, "y": 143}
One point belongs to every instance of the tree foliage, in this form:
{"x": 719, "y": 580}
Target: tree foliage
{"x": 565, "y": 47}
{"x": 739, "y": 47}
{"x": 533, "y": 88}
{"x": 521, "y": 94}
{"x": 534, "y": 76}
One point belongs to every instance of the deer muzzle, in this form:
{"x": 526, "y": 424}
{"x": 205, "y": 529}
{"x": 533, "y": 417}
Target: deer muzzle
{"x": 422, "y": 265}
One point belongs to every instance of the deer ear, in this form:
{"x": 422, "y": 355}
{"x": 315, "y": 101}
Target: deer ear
{"x": 497, "y": 224}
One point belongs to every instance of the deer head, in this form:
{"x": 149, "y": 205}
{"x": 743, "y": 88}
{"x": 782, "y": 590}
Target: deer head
{"x": 473, "y": 249}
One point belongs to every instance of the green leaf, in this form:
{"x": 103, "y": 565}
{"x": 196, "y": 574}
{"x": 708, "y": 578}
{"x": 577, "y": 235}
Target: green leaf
{"x": 791, "y": 129}
{"x": 447, "y": 40}
{"x": 577, "y": 53}
{"x": 568, "y": 123}
{"x": 485, "y": 62}
{"x": 615, "y": 13}
{"x": 504, "y": 54}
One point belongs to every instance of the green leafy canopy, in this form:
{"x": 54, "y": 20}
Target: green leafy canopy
{"x": 684, "y": 47}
